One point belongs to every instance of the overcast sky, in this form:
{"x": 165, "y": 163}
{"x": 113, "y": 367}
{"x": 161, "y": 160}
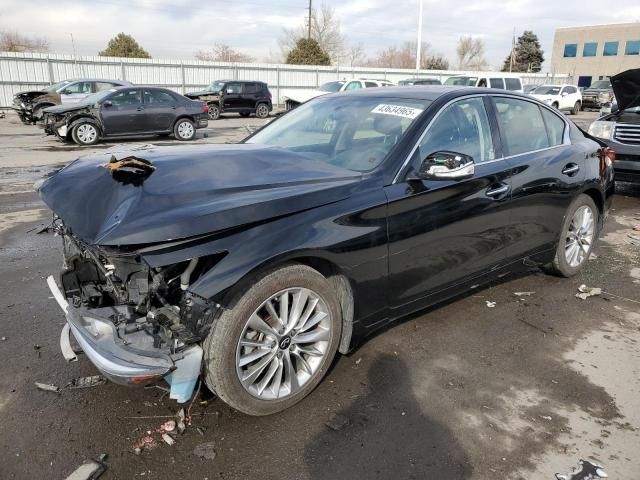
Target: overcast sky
{"x": 178, "y": 28}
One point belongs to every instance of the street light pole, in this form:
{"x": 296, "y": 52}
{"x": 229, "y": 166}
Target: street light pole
{"x": 419, "y": 43}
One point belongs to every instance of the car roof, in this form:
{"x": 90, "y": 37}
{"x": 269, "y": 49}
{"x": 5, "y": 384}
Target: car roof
{"x": 428, "y": 92}
{"x": 126, "y": 82}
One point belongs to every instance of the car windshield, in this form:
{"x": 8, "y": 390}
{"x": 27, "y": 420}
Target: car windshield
{"x": 351, "y": 132}
{"x": 57, "y": 86}
{"x": 215, "y": 86}
{"x": 331, "y": 87}
{"x": 462, "y": 81}
{"x": 546, "y": 90}
{"x": 97, "y": 97}
{"x": 601, "y": 84}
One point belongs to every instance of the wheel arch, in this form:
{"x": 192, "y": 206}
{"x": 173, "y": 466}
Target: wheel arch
{"x": 335, "y": 275}
{"x": 85, "y": 118}
{"x": 597, "y": 197}
{"x": 182, "y": 117}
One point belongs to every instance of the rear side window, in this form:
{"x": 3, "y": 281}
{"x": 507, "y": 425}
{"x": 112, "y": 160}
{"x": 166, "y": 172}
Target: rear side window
{"x": 158, "y": 97}
{"x": 79, "y": 87}
{"x": 555, "y": 127}
{"x": 512, "y": 84}
{"x": 232, "y": 88}
{"x": 353, "y": 86}
{"x": 523, "y": 129}
{"x": 249, "y": 88}
{"x": 100, "y": 86}
{"x": 496, "y": 83}
{"x": 370, "y": 84}
{"x": 571, "y": 89}
{"x": 126, "y": 98}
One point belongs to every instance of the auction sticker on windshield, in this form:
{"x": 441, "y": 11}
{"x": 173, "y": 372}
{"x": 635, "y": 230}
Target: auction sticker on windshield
{"x": 397, "y": 110}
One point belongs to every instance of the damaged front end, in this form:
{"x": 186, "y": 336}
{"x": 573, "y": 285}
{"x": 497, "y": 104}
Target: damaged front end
{"x": 136, "y": 324}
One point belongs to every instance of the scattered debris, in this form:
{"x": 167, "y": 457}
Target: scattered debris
{"x": 358, "y": 361}
{"x": 585, "y": 471}
{"x": 546, "y": 417}
{"x": 637, "y": 228}
{"x": 586, "y": 292}
{"x": 337, "y": 422}
{"x": 168, "y": 426}
{"x": 86, "y": 382}
{"x": 4, "y": 339}
{"x": 593, "y": 256}
{"x": 205, "y": 450}
{"x": 48, "y": 387}
{"x": 201, "y": 430}
{"x": 523, "y": 294}
{"x": 168, "y": 439}
{"x": 147, "y": 442}
{"x": 490, "y": 304}
{"x": 89, "y": 470}
{"x": 183, "y": 421}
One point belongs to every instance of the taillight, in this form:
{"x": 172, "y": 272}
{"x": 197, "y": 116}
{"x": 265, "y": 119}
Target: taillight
{"x": 205, "y": 108}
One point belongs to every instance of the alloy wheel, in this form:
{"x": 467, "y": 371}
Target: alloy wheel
{"x": 86, "y": 133}
{"x": 579, "y": 236}
{"x": 185, "y": 130}
{"x": 283, "y": 344}
{"x": 213, "y": 113}
{"x": 262, "y": 111}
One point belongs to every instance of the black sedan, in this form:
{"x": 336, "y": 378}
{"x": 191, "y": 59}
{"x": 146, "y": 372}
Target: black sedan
{"x": 127, "y": 111}
{"x": 255, "y": 263}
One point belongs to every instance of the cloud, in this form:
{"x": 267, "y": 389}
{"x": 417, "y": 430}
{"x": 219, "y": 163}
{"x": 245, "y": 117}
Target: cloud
{"x": 179, "y": 28}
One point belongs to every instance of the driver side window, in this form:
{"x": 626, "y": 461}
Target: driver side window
{"x": 353, "y": 86}
{"x": 126, "y": 98}
{"x": 462, "y": 127}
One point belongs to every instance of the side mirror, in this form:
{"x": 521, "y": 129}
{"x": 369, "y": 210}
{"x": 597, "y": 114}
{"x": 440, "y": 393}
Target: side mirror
{"x": 66, "y": 91}
{"x": 447, "y": 166}
{"x": 107, "y": 103}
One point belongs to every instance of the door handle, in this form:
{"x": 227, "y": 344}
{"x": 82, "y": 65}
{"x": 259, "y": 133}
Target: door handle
{"x": 570, "y": 169}
{"x": 497, "y": 191}
{"x": 139, "y": 109}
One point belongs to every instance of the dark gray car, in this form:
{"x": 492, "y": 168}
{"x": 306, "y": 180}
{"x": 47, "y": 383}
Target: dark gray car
{"x": 127, "y": 111}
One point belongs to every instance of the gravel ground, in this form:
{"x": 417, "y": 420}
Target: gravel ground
{"x": 522, "y": 390}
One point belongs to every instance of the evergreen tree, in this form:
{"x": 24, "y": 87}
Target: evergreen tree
{"x": 308, "y": 52}
{"x": 528, "y": 56}
{"x": 123, "y": 45}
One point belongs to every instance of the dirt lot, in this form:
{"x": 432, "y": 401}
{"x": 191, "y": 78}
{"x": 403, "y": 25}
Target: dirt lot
{"x": 522, "y": 390}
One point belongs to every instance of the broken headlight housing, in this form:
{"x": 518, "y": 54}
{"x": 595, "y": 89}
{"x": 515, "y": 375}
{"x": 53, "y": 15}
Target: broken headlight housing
{"x": 601, "y": 129}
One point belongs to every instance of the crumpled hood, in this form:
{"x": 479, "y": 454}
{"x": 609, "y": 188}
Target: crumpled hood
{"x": 201, "y": 93}
{"x": 626, "y": 87}
{"x": 193, "y": 190}
{"x": 31, "y": 94}
{"x": 59, "y": 109}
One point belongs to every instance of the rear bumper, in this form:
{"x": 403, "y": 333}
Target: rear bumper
{"x": 121, "y": 362}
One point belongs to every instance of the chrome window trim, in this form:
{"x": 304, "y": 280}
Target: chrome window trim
{"x": 566, "y": 139}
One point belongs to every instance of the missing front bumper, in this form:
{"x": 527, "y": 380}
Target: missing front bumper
{"x": 123, "y": 362}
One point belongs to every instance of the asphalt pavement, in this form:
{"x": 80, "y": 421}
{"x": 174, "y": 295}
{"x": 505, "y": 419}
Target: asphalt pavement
{"x": 522, "y": 390}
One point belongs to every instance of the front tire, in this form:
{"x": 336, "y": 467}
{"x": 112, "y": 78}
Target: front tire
{"x": 184, "y": 130}
{"x": 576, "y": 238}
{"x": 85, "y": 133}
{"x": 277, "y": 341}
{"x": 214, "y": 111}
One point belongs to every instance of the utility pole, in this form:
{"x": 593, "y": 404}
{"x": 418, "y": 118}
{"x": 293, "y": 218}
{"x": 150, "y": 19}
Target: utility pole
{"x": 419, "y": 43}
{"x": 309, "y": 26}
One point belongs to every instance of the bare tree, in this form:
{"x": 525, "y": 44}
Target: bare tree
{"x": 221, "y": 52}
{"x": 405, "y": 57}
{"x": 356, "y": 55}
{"x": 470, "y": 53}
{"x": 325, "y": 29}
{"x": 14, "y": 42}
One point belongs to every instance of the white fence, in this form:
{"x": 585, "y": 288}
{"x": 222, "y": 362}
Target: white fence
{"x": 23, "y": 71}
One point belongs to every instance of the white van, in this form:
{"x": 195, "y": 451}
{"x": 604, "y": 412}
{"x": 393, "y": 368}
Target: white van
{"x": 513, "y": 84}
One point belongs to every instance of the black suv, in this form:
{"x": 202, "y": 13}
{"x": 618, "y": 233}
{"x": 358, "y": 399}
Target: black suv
{"x": 235, "y": 96}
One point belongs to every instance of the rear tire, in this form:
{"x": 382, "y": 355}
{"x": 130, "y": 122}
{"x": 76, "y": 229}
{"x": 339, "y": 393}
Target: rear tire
{"x": 287, "y": 379}
{"x": 576, "y": 108}
{"x": 85, "y": 133}
{"x": 576, "y": 243}
{"x": 262, "y": 110}
{"x": 184, "y": 130}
